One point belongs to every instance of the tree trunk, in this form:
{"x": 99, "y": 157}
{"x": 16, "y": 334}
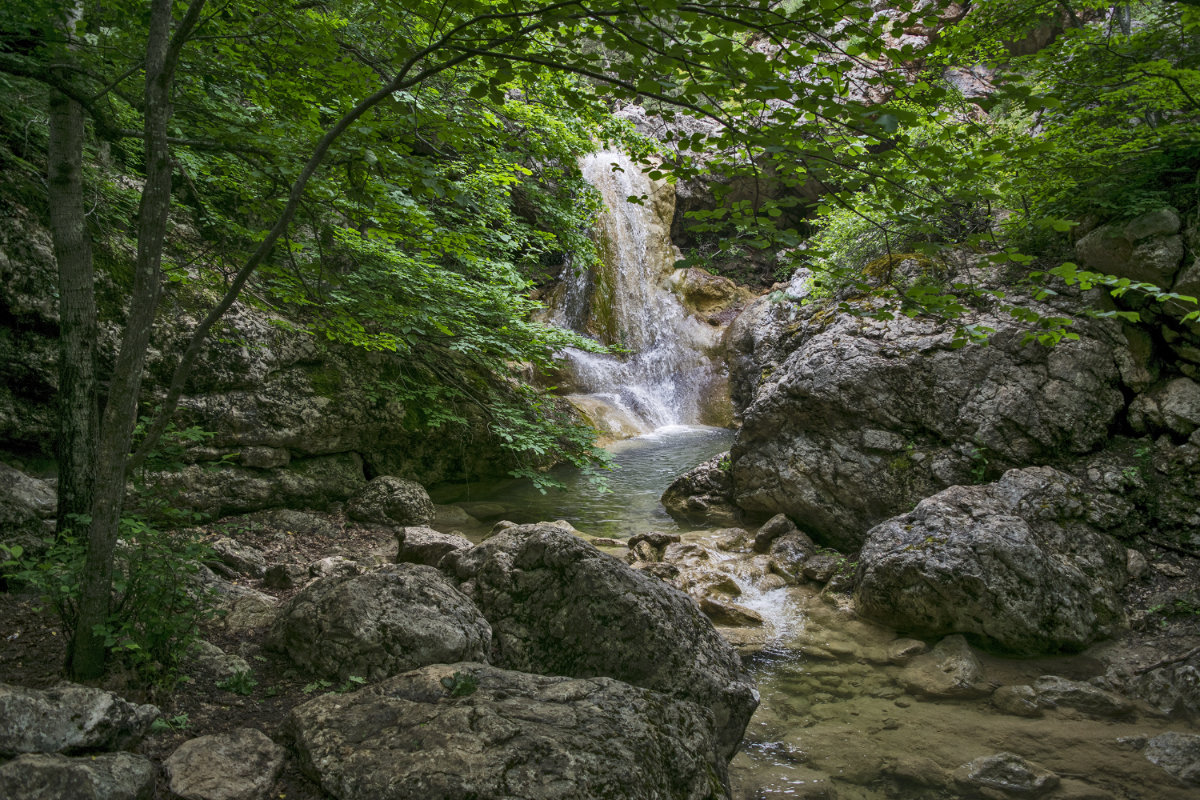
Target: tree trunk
{"x": 87, "y": 656}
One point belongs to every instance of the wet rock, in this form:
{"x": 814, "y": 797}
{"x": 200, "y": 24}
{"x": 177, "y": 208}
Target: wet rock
{"x": 703, "y": 292}
{"x": 1013, "y": 562}
{"x": 446, "y": 732}
{"x": 1020, "y": 701}
{"x": 660, "y": 570}
{"x": 656, "y": 539}
{"x": 703, "y": 495}
{"x": 240, "y": 765}
{"x": 387, "y": 500}
{"x": 901, "y": 651}
{"x": 69, "y": 718}
{"x": 559, "y": 606}
{"x": 399, "y": 617}
{"x": 732, "y": 539}
{"x": 1056, "y": 692}
{"x": 825, "y": 378}
{"x": 1007, "y": 773}
{"x": 789, "y": 553}
{"x": 950, "y": 669}
{"x": 1147, "y": 248}
{"x": 106, "y": 776}
{"x": 1177, "y": 753}
{"x": 722, "y": 612}
{"x": 421, "y": 545}
{"x": 821, "y": 567}
{"x": 772, "y": 529}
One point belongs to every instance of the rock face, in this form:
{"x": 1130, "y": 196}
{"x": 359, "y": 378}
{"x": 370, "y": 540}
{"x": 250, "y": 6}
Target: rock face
{"x": 376, "y": 625}
{"x": 1014, "y": 563}
{"x": 69, "y": 718}
{"x": 453, "y": 731}
{"x": 107, "y": 776}
{"x": 239, "y": 765}
{"x": 849, "y": 421}
{"x": 559, "y": 606}
{"x": 392, "y": 501}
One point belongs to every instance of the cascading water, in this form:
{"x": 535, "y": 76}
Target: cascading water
{"x": 668, "y": 376}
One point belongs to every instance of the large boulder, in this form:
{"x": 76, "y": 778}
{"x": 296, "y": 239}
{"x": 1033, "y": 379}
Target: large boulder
{"x": 852, "y": 421}
{"x": 447, "y": 732}
{"x": 1013, "y": 563}
{"x": 397, "y": 618}
{"x": 392, "y": 501}
{"x": 1148, "y": 248}
{"x": 69, "y": 718}
{"x": 105, "y": 776}
{"x": 559, "y": 606}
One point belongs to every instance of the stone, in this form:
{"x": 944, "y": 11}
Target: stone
{"x": 387, "y": 500}
{"x": 1147, "y": 248}
{"x": 1174, "y": 408}
{"x": 1177, "y": 753}
{"x": 901, "y": 651}
{"x": 809, "y": 387}
{"x": 69, "y": 718}
{"x": 559, "y": 606}
{"x": 211, "y": 659}
{"x": 24, "y": 501}
{"x": 1007, "y": 773}
{"x": 1136, "y": 565}
{"x": 723, "y": 612}
{"x": 242, "y": 559}
{"x": 334, "y": 567}
{"x": 1057, "y": 692}
{"x": 1172, "y": 689}
{"x": 703, "y": 495}
{"x": 789, "y": 553}
{"x": 397, "y": 618}
{"x": 702, "y": 292}
{"x": 657, "y": 540}
{"x": 250, "y": 610}
{"x": 422, "y": 545}
{"x": 821, "y": 567}
{"x": 242, "y": 764}
{"x": 265, "y": 457}
{"x": 1014, "y": 563}
{"x": 104, "y": 776}
{"x": 950, "y": 669}
{"x": 772, "y": 529}
{"x": 285, "y": 576}
{"x": 731, "y": 539}
{"x": 446, "y": 732}
{"x": 1020, "y": 701}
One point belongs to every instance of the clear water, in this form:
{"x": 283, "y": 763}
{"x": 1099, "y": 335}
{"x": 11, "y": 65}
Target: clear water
{"x": 646, "y": 465}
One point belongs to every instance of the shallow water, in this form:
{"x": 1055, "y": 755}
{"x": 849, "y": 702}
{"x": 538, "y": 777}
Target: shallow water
{"x": 835, "y": 720}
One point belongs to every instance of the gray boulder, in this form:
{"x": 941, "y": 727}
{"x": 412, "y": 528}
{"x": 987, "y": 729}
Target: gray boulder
{"x": 397, "y": 618}
{"x": 1148, "y": 248}
{"x": 392, "y": 501}
{"x": 1007, "y": 773}
{"x": 1173, "y": 408}
{"x": 421, "y": 545}
{"x": 703, "y": 495}
{"x": 950, "y": 669}
{"x": 772, "y": 529}
{"x": 1177, "y": 753}
{"x": 1013, "y": 563}
{"x": 106, "y": 776}
{"x": 855, "y": 421}
{"x": 448, "y": 732}
{"x": 69, "y": 718}
{"x": 239, "y": 765}
{"x": 559, "y": 606}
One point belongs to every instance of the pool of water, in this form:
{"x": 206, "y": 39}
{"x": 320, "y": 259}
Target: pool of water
{"x": 646, "y": 465}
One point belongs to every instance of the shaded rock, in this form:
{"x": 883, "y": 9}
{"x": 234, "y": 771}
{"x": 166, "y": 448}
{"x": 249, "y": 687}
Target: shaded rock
{"x": 657, "y": 540}
{"x": 789, "y": 553}
{"x": 772, "y": 529}
{"x": 334, "y": 567}
{"x": 821, "y": 567}
{"x": 901, "y": 651}
{"x": 421, "y": 545}
{"x": 391, "y": 501}
{"x": 1177, "y": 753}
{"x": 69, "y": 718}
{"x": 239, "y": 765}
{"x": 284, "y": 576}
{"x": 1007, "y": 773}
{"x": 1172, "y": 689}
{"x": 732, "y": 539}
{"x": 24, "y": 501}
{"x": 106, "y": 776}
{"x": 1020, "y": 701}
{"x": 242, "y": 559}
{"x": 950, "y": 669}
{"x": 722, "y": 612}
{"x": 265, "y": 457}
{"x": 559, "y": 606}
{"x": 1174, "y": 407}
{"x": 704, "y": 494}
{"x": 448, "y": 732}
{"x": 1012, "y": 562}
{"x": 1055, "y": 692}
{"x": 221, "y": 665}
{"x": 1147, "y": 248}
{"x": 396, "y": 618}
{"x": 824, "y": 378}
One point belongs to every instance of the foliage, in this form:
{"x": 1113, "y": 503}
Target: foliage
{"x": 242, "y": 683}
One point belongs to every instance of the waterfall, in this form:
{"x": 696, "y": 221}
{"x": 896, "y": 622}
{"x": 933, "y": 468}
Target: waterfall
{"x": 668, "y": 376}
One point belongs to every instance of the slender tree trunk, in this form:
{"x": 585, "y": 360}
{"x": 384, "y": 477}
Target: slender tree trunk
{"x": 87, "y": 656}
{"x": 78, "y": 410}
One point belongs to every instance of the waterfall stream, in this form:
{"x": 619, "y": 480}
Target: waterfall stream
{"x": 668, "y": 376}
